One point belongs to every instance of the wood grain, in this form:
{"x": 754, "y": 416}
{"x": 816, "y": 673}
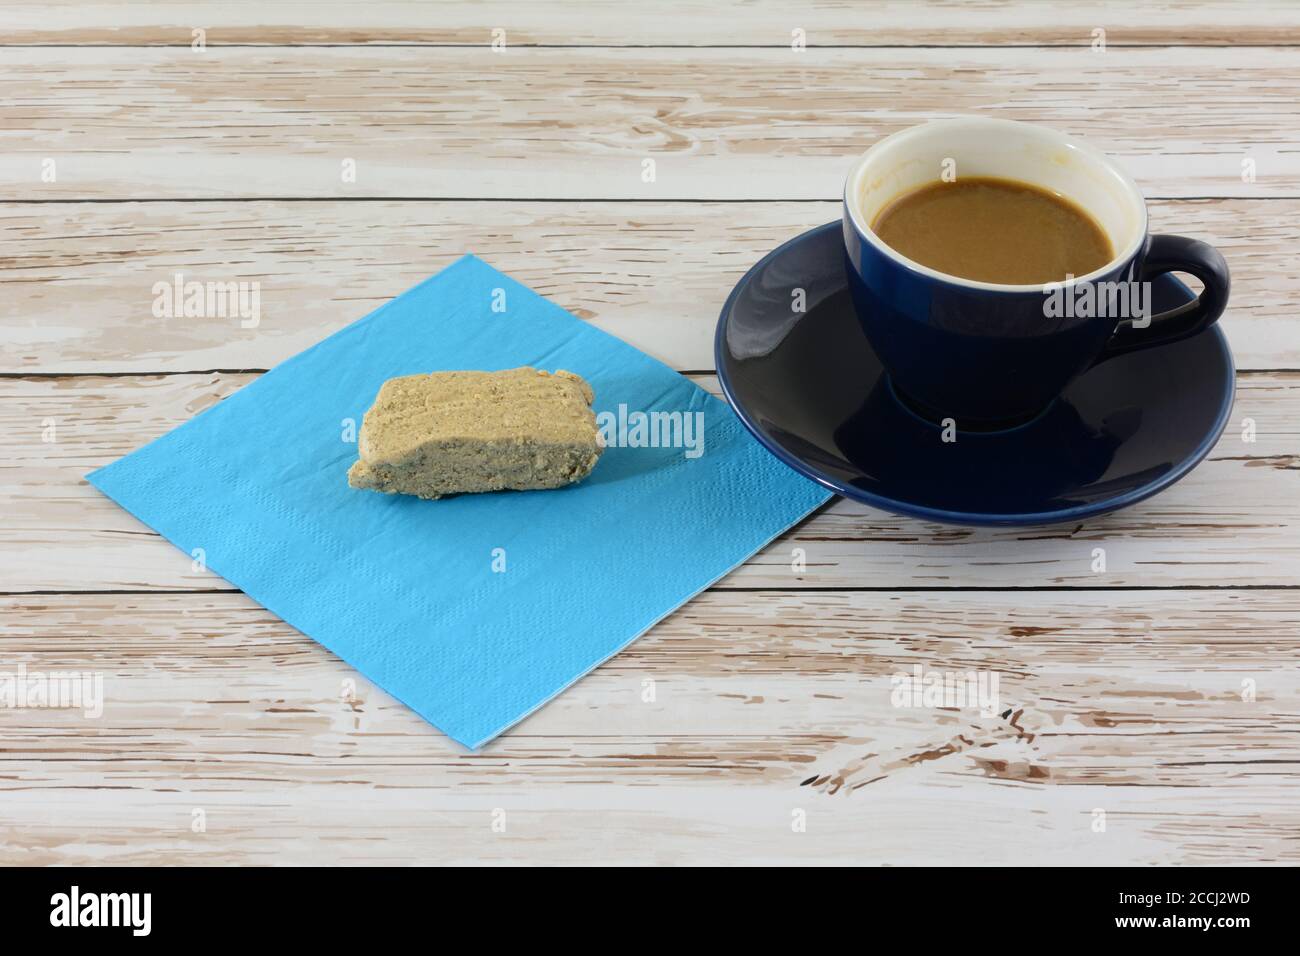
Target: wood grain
{"x": 1131, "y": 703}
{"x": 669, "y": 22}
{"x": 565, "y": 124}
{"x": 1234, "y": 521}
{"x": 78, "y": 277}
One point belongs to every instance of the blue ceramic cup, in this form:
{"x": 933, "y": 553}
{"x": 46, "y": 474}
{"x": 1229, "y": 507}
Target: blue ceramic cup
{"x": 990, "y": 355}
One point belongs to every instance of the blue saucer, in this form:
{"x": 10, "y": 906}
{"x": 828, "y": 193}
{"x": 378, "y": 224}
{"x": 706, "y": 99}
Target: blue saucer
{"x": 810, "y": 388}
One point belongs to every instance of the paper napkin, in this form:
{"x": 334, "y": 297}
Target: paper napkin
{"x": 473, "y": 610}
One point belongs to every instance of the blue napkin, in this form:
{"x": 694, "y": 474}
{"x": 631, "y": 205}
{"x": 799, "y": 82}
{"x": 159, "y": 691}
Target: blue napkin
{"x": 474, "y": 610}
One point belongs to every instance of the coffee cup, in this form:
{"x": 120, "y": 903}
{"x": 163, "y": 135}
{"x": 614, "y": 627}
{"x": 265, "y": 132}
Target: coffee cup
{"x": 988, "y": 354}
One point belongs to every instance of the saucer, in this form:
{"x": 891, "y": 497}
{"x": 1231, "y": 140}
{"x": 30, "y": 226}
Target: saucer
{"x": 811, "y": 389}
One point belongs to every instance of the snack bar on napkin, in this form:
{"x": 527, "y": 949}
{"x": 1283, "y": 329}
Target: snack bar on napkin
{"x": 473, "y": 610}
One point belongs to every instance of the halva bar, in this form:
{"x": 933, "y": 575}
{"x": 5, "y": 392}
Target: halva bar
{"x": 451, "y": 432}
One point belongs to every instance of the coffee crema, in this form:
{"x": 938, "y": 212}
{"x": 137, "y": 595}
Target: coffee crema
{"x": 994, "y": 230}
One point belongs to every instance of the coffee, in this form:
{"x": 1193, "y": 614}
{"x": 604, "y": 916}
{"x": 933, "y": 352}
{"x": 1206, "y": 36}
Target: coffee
{"x": 994, "y": 230}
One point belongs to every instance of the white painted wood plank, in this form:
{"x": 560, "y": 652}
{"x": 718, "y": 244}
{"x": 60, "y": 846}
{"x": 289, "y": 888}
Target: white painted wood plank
{"x": 672, "y": 22}
{"x": 79, "y": 278}
{"x": 1233, "y": 521}
{"x": 562, "y": 124}
{"x": 763, "y": 704}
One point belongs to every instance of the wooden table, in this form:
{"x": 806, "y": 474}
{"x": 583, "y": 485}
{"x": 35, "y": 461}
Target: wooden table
{"x": 1152, "y": 709}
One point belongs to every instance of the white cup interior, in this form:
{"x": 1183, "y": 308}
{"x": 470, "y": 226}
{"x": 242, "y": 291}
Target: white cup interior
{"x": 977, "y": 146}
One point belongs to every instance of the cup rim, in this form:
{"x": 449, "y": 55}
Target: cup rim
{"x": 1079, "y": 146}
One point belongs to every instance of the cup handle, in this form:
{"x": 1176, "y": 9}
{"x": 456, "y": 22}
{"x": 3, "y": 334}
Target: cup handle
{"x": 1176, "y": 254}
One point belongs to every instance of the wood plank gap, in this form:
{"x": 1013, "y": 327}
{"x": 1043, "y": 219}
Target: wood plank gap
{"x": 793, "y": 592}
{"x": 262, "y": 371}
{"x": 554, "y": 200}
{"x": 213, "y": 45}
